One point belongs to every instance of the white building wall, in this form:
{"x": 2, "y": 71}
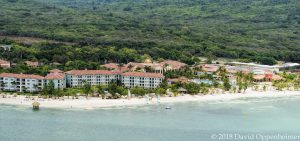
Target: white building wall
{"x": 58, "y": 83}
{"x": 145, "y": 82}
{"x": 128, "y": 81}
{"x": 22, "y": 85}
{"x": 78, "y": 81}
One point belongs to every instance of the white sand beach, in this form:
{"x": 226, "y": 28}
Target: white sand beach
{"x": 93, "y": 102}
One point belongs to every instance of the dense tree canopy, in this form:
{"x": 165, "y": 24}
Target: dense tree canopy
{"x": 123, "y": 30}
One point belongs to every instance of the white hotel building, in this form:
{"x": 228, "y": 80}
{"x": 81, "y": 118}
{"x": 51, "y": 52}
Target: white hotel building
{"x": 58, "y": 78}
{"x": 141, "y": 79}
{"x": 21, "y": 82}
{"x": 77, "y": 78}
{"x": 31, "y": 83}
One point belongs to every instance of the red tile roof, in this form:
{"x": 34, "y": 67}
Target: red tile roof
{"x": 56, "y": 71}
{"x": 4, "y": 64}
{"x": 116, "y": 67}
{"x": 181, "y": 79}
{"x": 140, "y": 65}
{"x": 174, "y": 64}
{"x": 277, "y": 77}
{"x": 143, "y": 74}
{"x": 21, "y": 76}
{"x": 111, "y": 65}
{"x": 92, "y": 72}
{"x": 52, "y": 76}
{"x": 210, "y": 68}
{"x": 258, "y": 77}
{"x": 33, "y": 64}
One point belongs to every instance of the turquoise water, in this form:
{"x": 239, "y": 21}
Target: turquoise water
{"x": 193, "y": 121}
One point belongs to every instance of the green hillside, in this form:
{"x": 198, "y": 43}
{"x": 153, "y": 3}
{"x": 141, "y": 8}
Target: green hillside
{"x": 170, "y": 29}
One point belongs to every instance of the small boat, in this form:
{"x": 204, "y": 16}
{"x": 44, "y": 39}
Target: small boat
{"x": 168, "y": 108}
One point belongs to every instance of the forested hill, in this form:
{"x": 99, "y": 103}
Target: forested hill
{"x": 163, "y": 28}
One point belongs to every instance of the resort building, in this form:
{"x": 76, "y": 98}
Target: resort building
{"x": 117, "y": 67}
{"x": 6, "y": 47}
{"x": 58, "y": 77}
{"x": 210, "y": 68}
{"x": 252, "y": 66}
{"x": 292, "y": 67}
{"x": 32, "y": 64}
{"x": 21, "y": 82}
{"x": 267, "y": 77}
{"x": 77, "y": 78}
{"x": 141, "y": 79}
{"x": 180, "y": 79}
{"x": 147, "y": 66}
{"x": 4, "y": 64}
{"x": 157, "y": 67}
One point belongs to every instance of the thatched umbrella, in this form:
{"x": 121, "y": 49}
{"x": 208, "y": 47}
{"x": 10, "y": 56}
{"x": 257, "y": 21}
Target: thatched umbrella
{"x": 182, "y": 90}
{"x": 35, "y": 105}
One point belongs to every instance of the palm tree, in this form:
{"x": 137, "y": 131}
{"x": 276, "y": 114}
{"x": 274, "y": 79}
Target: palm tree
{"x": 51, "y": 88}
{"x": 2, "y": 84}
{"x": 226, "y": 83}
{"x": 244, "y": 80}
{"x": 264, "y": 88}
{"x": 198, "y": 69}
{"x": 164, "y": 67}
{"x": 248, "y": 80}
{"x": 148, "y": 69}
{"x": 130, "y": 66}
{"x": 14, "y": 84}
{"x": 239, "y": 80}
{"x": 222, "y": 71}
{"x": 44, "y": 91}
{"x": 120, "y": 65}
{"x": 87, "y": 88}
{"x": 100, "y": 90}
{"x": 36, "y": 87}
{"x": 24, "y": 88}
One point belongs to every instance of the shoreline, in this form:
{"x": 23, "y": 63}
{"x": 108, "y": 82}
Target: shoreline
{"x": 96, "y": 103}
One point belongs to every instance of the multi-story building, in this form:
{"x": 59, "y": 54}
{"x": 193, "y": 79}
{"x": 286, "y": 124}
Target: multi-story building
{"x": 58, "y": 78}
{"x": 32, "y": 64}
{"x": 157, "y": 67}
{"x": 141, "y": 79}
{"x": 21, "y": 82}
{"x": 77, "y": 78}
{"x": 148, "y": 66}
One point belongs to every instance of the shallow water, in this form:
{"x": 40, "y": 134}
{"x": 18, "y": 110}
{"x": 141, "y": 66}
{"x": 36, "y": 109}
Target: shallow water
{"x": 192, "y": 121}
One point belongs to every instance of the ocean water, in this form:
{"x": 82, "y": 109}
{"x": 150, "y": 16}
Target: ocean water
{"x": 242, "y": 119}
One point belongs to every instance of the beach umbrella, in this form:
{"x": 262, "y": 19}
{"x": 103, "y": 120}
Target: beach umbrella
{"x": 182, "y": 90}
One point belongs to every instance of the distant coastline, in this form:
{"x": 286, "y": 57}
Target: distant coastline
{"x": 95, "y": 103}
